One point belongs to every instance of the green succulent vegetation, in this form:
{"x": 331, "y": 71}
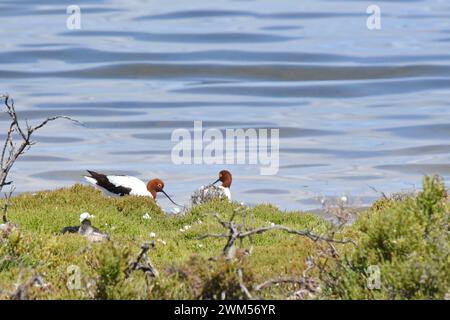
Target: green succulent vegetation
{"x": 406, "y": 239}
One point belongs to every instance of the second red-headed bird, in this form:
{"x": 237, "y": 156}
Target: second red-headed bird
{"x": 209, "y": 192}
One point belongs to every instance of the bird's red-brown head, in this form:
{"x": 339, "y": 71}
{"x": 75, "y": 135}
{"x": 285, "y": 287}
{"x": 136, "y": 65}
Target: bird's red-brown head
{"x": 225, "y": 177}
{"x": 157, "y": 185}
{"x": 154, "y": 186}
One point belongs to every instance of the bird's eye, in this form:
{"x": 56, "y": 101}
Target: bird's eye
{"x": 159, "y": 186}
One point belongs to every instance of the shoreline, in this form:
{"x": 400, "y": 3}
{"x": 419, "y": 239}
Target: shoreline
{"x": 274, "y": 244}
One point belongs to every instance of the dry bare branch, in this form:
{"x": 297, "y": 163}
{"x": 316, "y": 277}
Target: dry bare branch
{"x": 237, "y": 232}
{"x": 146, "y": 266}
{"x": 242, "y": 285}
{"x": 339, "y": 209}
{"x": 305, "y": 233}
{"x": 212, "y": 235}
{"x": 21, "y": 293}
{"x": 383, "y": 195}
{"x": 7, "y": 204}
{"x": 275, "y": 281}
{"x": 11, "y": 149}
{"x": 306, "y": 286}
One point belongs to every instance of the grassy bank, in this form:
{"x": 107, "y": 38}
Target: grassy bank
{"x": 407, "y": 240}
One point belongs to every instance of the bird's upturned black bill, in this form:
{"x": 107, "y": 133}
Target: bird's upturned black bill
{"x": 216, "y": 181}
{"x": 171, "y": 199}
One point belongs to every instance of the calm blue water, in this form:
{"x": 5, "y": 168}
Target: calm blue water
{"x": 356, "y": 108}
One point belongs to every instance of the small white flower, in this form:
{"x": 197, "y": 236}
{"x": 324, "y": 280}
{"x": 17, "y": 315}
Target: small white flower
{"x": 146, "y": 216}
{"x": 344, "y": 199}
{"x": 86, "y": 215}
{"x": 200, "y": 245}
{"x": 185, "y": 228}
{"x": 162, "y": 241}
{"x": 272, "y": 224}
{"x": 152, "y": 234}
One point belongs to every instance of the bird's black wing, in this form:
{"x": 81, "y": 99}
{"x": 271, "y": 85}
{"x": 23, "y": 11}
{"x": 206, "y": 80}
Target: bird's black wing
{"x": 70, "y": 229}
{"x": 103, "y": 181}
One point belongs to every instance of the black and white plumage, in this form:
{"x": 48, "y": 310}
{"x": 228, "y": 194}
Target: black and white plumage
{"x": 119, "y": 185}
{"x": 85, "y": 225}
{"x": 86, "y": 229}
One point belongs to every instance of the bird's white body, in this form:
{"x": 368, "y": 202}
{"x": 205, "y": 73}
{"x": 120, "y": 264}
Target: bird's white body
{"x": 209, "y": 192}
{"x": 226, "y": 191}
{"x": 137, "y": 186}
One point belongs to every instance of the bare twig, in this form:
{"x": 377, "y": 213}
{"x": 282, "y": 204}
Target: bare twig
{"x": 12, "y": 150}
{"x": 212, "y": 235}
{"x": 237, "y": 232}
{"x": 242, "y": 285}
{"x": 275, "y": 281}
{"x": 146, "y": 266}
{"x": 305, "y": 233}
{"x": 7, "y": 204}
{"x": 21, "y": 292}
{"x": 383, "y": 195}
{"x": 310, "y": 266}
{"x": 308, "y": 286}
{"x": 339, "y": 209}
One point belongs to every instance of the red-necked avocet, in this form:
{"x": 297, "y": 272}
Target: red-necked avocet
{"x": 209, "y": 192}
{"x": 121, "y": 185}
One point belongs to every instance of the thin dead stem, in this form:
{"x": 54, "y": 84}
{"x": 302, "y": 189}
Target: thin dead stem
{"x": 11, "y": 149}
{"x": 237, "y": 232}
{"x": 142, "y": 262}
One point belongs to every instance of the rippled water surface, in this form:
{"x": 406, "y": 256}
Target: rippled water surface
{"x": 356, "y": 108}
